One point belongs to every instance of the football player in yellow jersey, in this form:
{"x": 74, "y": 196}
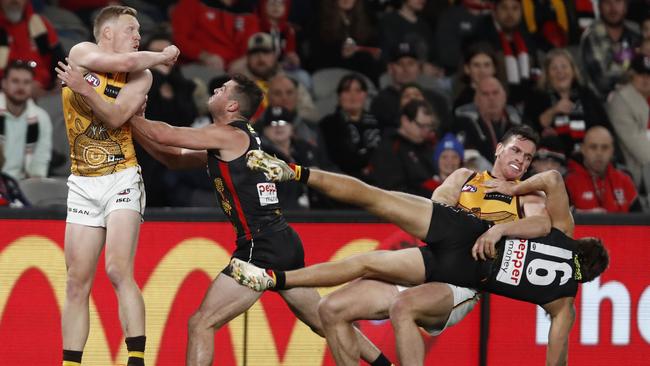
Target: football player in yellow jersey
{"x": 105, "y": 197}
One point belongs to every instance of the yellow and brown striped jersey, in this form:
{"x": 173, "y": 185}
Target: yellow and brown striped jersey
{"x": 495, "y": 207}
{"x": 95, "y": 149}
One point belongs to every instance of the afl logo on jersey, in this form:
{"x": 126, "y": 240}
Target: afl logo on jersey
{"x": 468, "y": 188}
{"x": 92, "y": 79}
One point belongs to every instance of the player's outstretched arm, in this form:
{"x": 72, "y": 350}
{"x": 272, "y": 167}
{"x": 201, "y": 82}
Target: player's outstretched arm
{"x": 173, "y": 157}
{"x": 562, "y": 314}
{"x": 113, "y": 115}
{"x": 91, "y": 57}
{"x": 557, "y": 200}
{"x": 212, "y": 136}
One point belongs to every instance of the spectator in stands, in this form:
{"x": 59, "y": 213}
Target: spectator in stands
{"x": 351, "y": 134}
{"x": 607, "y": 47}
{"x": 407, "y": 25}
{"x": 516, "y": 50}
{"x": 630, "y": 115}
{"x": 456, "y": 25}
{"x": 645, "y": 26}
{"x": 278, "y": 139}
{"x": 284, "y": 92}
{"x": 553, "y": 23}
{"x": 212, "y": 34}
{"x": 549, "y": 156}
{"x": 481, "y": 125}
{"x": 448, "y": 156}
{"x": 409, "y": 92}
{"x": 25, "y": 35}
{"x": 25, "y": 128}
{"x": 274, "y": 21}
{"x": 403, "y": 68}
{"x": 479, "y": 62}
{"x": 262, "y": 65}
{"x": 344, "y": 37}
{"x": 593, "y": 184}
{"x": 402, "y": 161}
{"x": 10, "y": 193}
{"x": 562, "y": 106}
{"x": 169, "y": 100}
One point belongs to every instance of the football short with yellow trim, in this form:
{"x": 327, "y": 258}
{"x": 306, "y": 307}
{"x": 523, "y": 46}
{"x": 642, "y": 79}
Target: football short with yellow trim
{"x": 92, "y": 199}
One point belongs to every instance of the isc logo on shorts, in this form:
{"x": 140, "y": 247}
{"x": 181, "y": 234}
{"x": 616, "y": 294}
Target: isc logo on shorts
{"x": 514, "y": 255}
{"x": 267, "y": 193}
{"x": 92, "y": 79}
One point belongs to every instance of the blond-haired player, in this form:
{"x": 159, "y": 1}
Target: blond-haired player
{"x": 106, "y": 195}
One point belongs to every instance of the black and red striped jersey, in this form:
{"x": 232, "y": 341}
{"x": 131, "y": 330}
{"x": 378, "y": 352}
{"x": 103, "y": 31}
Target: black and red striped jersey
{"x": 248, "y": 198}
{"x": 537, "y": 270}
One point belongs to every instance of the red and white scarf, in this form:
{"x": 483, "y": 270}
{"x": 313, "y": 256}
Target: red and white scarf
{"x": 517, "y": 61}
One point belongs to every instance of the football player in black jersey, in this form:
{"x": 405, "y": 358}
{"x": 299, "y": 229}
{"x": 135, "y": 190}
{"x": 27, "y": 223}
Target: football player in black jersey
{"x": 249, "y": 200}
{"x": 461, "y": 249}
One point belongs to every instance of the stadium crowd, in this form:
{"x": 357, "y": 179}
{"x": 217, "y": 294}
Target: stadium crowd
{"x": 398, "y": 93}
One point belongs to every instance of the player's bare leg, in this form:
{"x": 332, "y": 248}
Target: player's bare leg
{"x": 342, "y": 307}
{"x": 224, "y": 300}
{"x": 123, "y": 227}
{"x": 303, "y": 302}
{"x": 428, "y": 305}
{"x": 83, "y": 245}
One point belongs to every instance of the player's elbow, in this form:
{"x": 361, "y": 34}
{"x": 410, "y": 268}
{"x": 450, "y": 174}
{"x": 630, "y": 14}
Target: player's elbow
{"x": 554, "y": 178}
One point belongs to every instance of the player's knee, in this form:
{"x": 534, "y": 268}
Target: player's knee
{"x": 118, "y": 274}
{"x": 329, "y": 310}
{"x": 401, "y": 309}
{"x": 199, "y": 323}
{"x": 77, "y": 288}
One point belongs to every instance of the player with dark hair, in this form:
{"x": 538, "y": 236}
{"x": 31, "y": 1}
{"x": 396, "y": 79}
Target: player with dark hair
{"x": 544, "y": 271}
{"x": 250, "y": 202}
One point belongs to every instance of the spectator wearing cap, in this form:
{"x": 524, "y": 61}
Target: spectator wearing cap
{"x": 482, "y": 124}
{"x": 607, "y": 47}
{"x": 594, "y": 184}
{"x": 448, "y": 156}
{"x": 210, "y": 33}
{"x": 402, "y": 161}
{"x": 351, "y": 134}
{"x": 262, "y": 65}
{"x": 27, "y": 36}
{"x": 549, "y": 156}
{"x": 629, "y": 112}
{"x": 343, "y": 36}
{"x": 278, "y": 138}
{"x": 404, "y": 67}
{"x": 25, "y": 128}
{"x": 516, "y": 50}
{"x": 561, "y": 105}
{"x": 407, "y": 25}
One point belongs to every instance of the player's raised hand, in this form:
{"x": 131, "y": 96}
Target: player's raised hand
{"x": 171, "y": 53}
{"x": 501, "y": 186}
{"x": 70, "y": 75}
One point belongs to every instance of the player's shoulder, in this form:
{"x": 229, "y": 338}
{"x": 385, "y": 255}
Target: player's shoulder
{"x": 83, "y": 47}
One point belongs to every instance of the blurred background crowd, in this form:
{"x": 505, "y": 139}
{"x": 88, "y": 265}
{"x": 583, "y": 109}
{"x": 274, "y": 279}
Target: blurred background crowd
{"x": 398, "y": 93}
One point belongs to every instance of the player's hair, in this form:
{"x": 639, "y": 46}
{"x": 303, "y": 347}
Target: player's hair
{"x": 592, "y": 257}
{"x": 247, "y": 94}
{"x": 524, "y": 132}
{"x": 108, "y": 13}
